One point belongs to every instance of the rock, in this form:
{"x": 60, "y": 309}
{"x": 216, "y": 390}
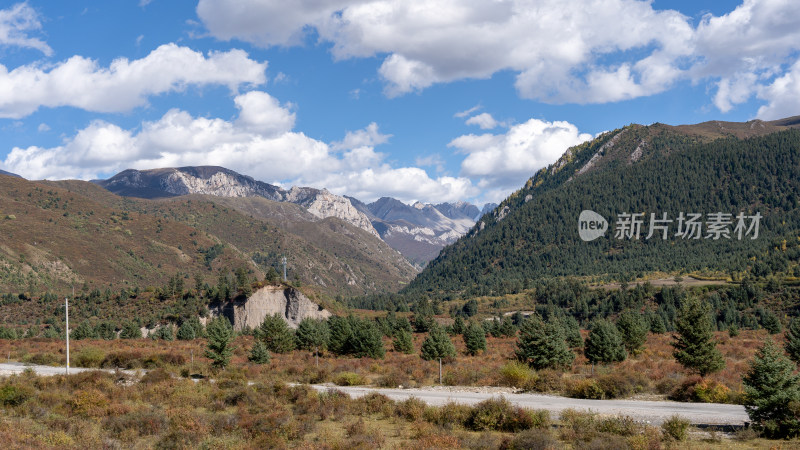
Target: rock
{"x": 288, "y": 302}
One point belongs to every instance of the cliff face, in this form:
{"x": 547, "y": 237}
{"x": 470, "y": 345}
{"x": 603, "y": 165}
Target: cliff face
{"x": 289, "y": 303}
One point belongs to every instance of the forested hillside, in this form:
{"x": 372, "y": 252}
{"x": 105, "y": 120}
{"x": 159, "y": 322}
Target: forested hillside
{"x": 656, "y": 169}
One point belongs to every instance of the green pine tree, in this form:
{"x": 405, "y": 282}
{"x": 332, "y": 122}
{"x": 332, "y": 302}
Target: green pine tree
{"x": 604, "y": 344}
{"x": 772, "y": 390}
{"x": 695, "y": 348}
{"x": 367, "y": 340}
{"x": 474, "y": 339}
{"x": 220, "y": 336}
{"x": 792, "y": 344}
{"x": 313, "y": 335}
{"x": 402, "y": 341}
{"x": 276, "y": 334}
{"x": 543, "y": 345}
{"x": 458, "y": 325}
{"x": 633, "y": 329}
{"x": 437, "y": 345}
{"x": 259, "y": 353}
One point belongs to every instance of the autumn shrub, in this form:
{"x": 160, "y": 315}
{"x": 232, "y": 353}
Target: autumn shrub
{"x": 43, "y": 359}
{"x": 410, "y": 409}
{"x": 393, "y": 379}
{"x": 361, "y": 435}
{"x": 534, "y": 439}
{"x": 155, "y": 376}
{"x": 89, "y": 403}
{"x": 577, "y": 426}
{"x": 696, "y": 389}
{"x": 676, "y": 427}
{"x": 372, "y": 403}
{"x": 587, "y": 388}
{"x": 516, "y": 374}
{"x": 618, "y": 425}
{"x": 618, "y": 384}
{"x": 144, "y": 422}
{"x": 12, "y": 395}
{"x": 548, "y": 380}
{"x": 333, "y": 404}
{"x": 123, "y": 359}
{"x": 348, "y": 379}
{"x": 449, "y": 415}
{"x": 91, "y": 357}
{"x": 498, "y": 414}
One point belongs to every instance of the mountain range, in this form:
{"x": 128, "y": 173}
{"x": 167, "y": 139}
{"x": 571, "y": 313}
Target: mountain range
{"x": 417, "y": 231}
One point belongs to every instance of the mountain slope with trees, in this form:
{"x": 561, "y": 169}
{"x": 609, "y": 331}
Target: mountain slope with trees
{"x": 706, "y": 168}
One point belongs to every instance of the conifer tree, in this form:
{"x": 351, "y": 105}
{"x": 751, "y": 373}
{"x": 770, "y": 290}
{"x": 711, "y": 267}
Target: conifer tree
{"x": 340, "y": 335}
{"x": 259, "y": 353}
{"x": 773, "y": 393}
{"x": 313, "y": 335}
{"x": 276, "y": 334}
{"x": 792, "y": 344}
{"x": 402, "y": 341}
{"x": 695, "y": 348}
{"x": 542, "y": 345}
{"x": 604, "y": 343}
{"x": 474, "y": 339}
{"x": 633, "y": 329}
{"x": 437, "y": 346}
{"x": 458, "y": 325}
{"x": 220, "y": 336}
{"x": 367, "y": 340}
{"x": 190, "y": 329}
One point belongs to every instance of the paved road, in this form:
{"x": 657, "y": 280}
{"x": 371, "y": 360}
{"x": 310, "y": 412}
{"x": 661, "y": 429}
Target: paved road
{"x": 654, "y": 412}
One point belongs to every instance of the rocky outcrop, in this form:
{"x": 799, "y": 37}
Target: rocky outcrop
{"x": 322, "y": 204}
{"x": 287, "y": 302}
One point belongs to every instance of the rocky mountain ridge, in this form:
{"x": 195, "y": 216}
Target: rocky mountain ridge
{"x": 417, "y": 231}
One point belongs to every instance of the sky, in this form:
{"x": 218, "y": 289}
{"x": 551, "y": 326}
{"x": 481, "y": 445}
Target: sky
{"x": 420, "y": 100}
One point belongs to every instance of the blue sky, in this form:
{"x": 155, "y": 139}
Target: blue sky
{"x": 417, "y": 99}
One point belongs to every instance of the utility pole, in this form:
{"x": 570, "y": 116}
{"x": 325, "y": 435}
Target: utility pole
{"x": 284, "y": 268}
{"x": 66, "y": 310}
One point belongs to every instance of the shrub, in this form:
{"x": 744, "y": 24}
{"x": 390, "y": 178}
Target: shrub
{"x": 11, "y": 395}
{"x": 516, "y": 374}
{"x": 498, "y": 414}
{"x": 155, "y": 376}
{"x": 586, "y": 388}
{"x": 619, "y": 425}
{"x": 89, "y": 357}
{"x": 534, "y": 439}
{"x": 348, "y": 379}
{"x": 411, "y": 409}
{"x": 676, "y": 427}
{"x": 696, "y": 389}
{"x": 449, "y": 415}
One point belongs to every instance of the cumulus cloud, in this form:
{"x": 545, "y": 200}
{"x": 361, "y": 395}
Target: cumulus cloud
{"x": 368, "y": 137}
{"x": 505, "y": 161}
{"x": 782, "y": 95}
{"x": 259, "y": 142}
{"x": 15, "y": 24}
{"x": 563, "y": 51}
{"x": 557, "y": 47}
{"x": 484, "y": 120}
{"x": 125, "y": 84}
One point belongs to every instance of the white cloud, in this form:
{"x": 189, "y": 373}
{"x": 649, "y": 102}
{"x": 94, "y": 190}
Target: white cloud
{"x": 125, "y": 84}
{"x": 505, "y": 161}
{"x": 484, "y": 120}
{"x": 782, "y": 95}
{"x": 259, "y": 143}
{"x": 43, "y": 127}
{"x": 16, "y": 22}
{"x": 558, "y": 47}
{"x": 467, "y": 112}
{"x": 563, "y": 51}
{"x": 747, "y": 50}
{"x": 368, "y": 137}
